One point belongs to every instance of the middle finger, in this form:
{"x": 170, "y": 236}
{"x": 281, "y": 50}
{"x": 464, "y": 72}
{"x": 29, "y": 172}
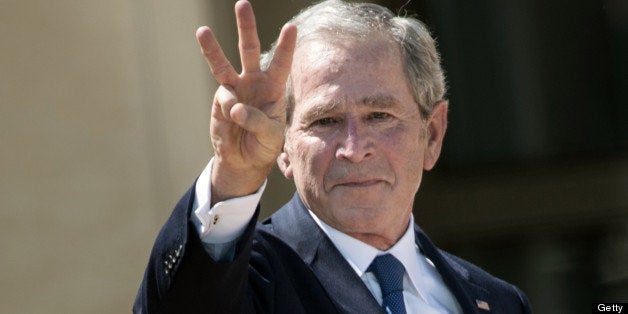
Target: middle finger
{"x": 247, "y": 35}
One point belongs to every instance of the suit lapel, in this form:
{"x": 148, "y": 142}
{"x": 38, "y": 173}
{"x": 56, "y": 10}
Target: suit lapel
{"x": 293, "y": 224}
{"x": 455, "y": 276}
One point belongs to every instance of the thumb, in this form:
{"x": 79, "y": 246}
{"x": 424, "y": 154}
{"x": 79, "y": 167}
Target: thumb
{"x": 252, "y": 119}
{"x": 267, "y": 130}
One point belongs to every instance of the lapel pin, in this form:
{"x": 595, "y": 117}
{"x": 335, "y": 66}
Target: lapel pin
{"x": 482, "y": 305}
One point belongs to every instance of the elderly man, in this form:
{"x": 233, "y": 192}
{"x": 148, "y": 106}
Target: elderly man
{"x": 351, "y": 108}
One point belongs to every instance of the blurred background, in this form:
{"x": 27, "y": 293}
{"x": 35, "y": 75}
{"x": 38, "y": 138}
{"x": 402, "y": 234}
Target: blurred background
{"x": 104, "y": 125}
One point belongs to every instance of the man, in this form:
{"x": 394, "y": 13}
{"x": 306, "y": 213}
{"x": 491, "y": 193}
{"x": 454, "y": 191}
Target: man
{"x": 352, "y": 110}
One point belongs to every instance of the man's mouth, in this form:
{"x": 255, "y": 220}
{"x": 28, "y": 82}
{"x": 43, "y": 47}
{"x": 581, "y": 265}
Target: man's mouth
{"x": 360, "y": 183}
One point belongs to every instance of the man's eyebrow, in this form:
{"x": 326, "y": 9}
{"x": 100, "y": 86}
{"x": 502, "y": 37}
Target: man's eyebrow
{"x": 383, "y": 101}
{"x": 320, "y": 110}
{"x": 374, "y": 102}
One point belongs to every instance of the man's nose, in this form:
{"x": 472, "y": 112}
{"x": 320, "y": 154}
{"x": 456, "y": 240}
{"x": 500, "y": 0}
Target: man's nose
{"x": 356, "y": 144}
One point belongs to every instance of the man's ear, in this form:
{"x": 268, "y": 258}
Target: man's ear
{"x": 283, "y": 161}
{"x": 436, "y": 127}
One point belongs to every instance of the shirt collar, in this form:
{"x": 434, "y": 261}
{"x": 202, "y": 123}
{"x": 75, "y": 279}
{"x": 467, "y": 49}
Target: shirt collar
{"x": 359, "y": 255}
{"x": 424, "y": 279}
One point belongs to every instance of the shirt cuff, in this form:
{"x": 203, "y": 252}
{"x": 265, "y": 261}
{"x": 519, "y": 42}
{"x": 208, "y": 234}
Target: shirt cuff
{"x": 226, "y": 221}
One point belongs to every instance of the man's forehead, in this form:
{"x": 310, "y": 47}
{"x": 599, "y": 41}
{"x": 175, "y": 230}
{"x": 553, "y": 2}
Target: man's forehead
{"x": 318, "y": 52}
{"x": 319, "y": 62}
{"x": 314, "y": 56}
{"x": 329, "y": 75}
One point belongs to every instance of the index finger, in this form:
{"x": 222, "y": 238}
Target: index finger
{"x": 280, "y": 66}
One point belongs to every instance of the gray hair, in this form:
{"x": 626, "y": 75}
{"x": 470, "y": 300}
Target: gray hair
{"x": 340, "y": 20}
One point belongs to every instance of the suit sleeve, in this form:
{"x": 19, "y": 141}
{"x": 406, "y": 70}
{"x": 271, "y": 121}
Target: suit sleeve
{"x": 182, "y": 278}
{"x": 221, "y": 226}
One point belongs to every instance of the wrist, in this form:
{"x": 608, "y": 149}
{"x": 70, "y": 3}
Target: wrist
{"x": 231, "y": 182}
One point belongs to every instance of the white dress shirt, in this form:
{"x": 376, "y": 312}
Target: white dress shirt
{"x": 221, "y": 226}
{"x": 423, "y": 288}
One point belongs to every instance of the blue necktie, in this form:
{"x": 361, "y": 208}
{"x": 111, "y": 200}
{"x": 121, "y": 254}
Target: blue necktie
{"x": 389, "y": 272}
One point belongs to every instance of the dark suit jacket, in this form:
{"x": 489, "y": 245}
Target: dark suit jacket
{"x": 286, "y": 264}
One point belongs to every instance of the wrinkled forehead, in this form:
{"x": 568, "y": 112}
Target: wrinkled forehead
{"x": 319, "y": 61}
{"x": 331, "y": 75}
{"x": 318, "y": 53}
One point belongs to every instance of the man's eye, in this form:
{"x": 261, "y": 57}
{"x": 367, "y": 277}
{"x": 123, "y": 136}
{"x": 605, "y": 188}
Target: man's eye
{"x": 379, "y": 116}
{"x": 324, "y": 121}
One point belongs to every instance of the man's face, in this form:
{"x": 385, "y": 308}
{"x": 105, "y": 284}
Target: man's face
{"x": 357, "y": 145}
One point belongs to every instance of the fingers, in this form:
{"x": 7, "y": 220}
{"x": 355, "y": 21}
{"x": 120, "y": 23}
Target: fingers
{"x": 265, "y": 128}
{"x": 248, "y": 117}
{"x": 218, "y": 63}
{"x": 247, "y": 35}
{"x": 255, "y": 121}
{"x": 279, "y": 68}
{"x": 225, "y": 98}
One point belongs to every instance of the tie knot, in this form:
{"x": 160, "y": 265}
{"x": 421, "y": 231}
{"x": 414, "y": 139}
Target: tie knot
{"x": 389, "y": 272}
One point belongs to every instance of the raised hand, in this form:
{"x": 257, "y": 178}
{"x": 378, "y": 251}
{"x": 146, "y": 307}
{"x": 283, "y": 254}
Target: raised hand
{"x": 248, "y": 113}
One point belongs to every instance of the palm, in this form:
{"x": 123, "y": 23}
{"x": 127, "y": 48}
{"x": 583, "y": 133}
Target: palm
{"x": 247, "y": 148}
